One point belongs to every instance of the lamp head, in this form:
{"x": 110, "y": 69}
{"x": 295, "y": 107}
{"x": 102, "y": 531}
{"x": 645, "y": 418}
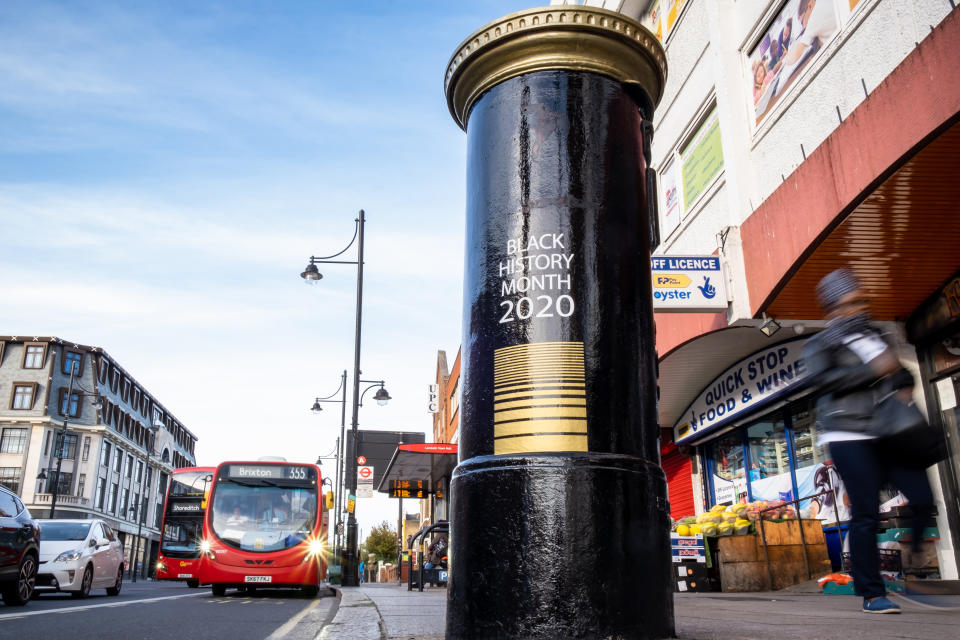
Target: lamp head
{"x": 382, "y": 396}
{"x": 316, "y": 408}
{"x": 769, "y": 327}
{"x": 311, "y": 274}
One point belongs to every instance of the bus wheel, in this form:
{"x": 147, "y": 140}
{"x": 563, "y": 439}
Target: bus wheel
{"x": 219, "y": 590}
{"x": 311, "y": 591}
{"x": 193, "y": 584}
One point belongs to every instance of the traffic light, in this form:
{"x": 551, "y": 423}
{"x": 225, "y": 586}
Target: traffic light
{"x": 328, "y": 500}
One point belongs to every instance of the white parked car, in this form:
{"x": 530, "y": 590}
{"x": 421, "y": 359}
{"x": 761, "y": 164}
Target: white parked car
{"x": 78, "y": 556}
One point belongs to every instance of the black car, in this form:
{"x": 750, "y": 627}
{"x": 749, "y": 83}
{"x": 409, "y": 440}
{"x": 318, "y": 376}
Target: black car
{"x": 19, "y": 550}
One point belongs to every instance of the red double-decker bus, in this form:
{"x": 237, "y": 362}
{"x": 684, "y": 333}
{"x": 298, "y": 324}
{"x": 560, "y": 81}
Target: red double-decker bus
{"x": 265, "y": 526}
{"x": 182, "y": 525}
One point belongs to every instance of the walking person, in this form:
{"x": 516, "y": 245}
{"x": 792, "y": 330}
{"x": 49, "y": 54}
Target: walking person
{"x": 853, "y": 364}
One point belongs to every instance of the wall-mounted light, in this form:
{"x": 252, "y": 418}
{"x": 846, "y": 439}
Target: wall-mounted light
{"x": 769, "y": 326}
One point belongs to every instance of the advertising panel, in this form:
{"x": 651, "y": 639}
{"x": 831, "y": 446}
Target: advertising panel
{"x": 701, "y": 159}
{"x": 671, "y": 200}
{"x": 688, "y": 283}
{"x": 797, "y": 34}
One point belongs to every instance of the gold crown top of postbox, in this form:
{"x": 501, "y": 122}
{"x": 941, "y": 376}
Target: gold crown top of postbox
{"x": 575, "y": 38}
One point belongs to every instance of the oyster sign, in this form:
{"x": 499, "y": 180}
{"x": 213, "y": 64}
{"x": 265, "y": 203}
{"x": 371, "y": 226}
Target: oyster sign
{"x": 688, "y": 283}
{"x": 748, "y": 385}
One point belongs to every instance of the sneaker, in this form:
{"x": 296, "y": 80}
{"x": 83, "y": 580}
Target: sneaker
{"x": 879, "y": 605}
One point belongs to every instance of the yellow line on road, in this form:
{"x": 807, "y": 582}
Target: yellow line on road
{"x": 292, "y": 622}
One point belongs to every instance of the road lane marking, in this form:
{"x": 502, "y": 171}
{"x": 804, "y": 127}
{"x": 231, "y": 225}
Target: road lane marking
{"x": 8, "y": 616}
{"x": 292, "y": 622}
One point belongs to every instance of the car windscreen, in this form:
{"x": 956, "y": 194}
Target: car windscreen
{"x": 61, "y": 531}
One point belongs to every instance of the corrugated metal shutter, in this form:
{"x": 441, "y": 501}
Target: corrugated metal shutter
{"x": 678, "y": 470}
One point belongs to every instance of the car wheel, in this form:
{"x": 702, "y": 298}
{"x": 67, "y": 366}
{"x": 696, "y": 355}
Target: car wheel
{"x": 20, "y": 592}
{"x": 193, "y": 584}
{"x": 85, "y": 584}
{"x": 115, "y": 589}
{"x": 219, "y": 590}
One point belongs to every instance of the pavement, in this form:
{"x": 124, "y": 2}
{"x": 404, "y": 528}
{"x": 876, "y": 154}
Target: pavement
{"x": 390, "y": 612}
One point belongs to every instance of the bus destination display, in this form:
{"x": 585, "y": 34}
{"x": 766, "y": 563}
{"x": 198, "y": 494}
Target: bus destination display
{"x": 268, "y": 472}
{"x": 417, "y": 489}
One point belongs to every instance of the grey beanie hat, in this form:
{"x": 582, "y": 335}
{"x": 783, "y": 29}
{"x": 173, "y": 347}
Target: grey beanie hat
{"x": 835, "y": 285}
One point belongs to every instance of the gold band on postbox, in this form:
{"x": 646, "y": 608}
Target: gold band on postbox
{"x": 576, "y": 38}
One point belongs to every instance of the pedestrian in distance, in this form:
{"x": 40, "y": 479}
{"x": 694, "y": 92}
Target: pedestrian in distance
{"x": 853, "y": 364}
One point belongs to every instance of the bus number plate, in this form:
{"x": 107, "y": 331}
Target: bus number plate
{"x": 184, "y": 575}
{"x": 257, "y": 578}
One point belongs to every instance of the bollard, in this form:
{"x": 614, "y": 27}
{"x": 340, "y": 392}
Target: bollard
{"x": 559, "y": 520}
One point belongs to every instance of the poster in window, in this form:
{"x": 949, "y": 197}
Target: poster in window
{"x": 673, "y": 9}
{"x": 701, "y": 159}
{"x": 797, "y": 34}
{"x": 671, "y": 200}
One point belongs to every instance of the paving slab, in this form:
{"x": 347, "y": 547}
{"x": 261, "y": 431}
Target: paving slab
{"x": 794, "y": 613}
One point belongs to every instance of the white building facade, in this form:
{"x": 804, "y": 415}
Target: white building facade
{"x": 795, "y": 137}
{"x": 104, "y": 472}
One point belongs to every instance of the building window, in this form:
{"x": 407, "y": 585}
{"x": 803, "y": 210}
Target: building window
{"x": 117, "y": 461}
{"x": 139, "y": 471}
{"x": 105, "y": 455}
{"x": 113, "y": 497}
{"x": 137, "y": 507}
{"x": 46, "y": 444}
{"x": 33, "y": 356}
{"x": 23, "y": 395}
{"x": 81, "y": 484}
{"x": 14, "y": 440}
{"x": 74, "y": 403}
{"x": 66, "y": 446}
{"x": 63, "y": 486}
{"x": 10, "y": 478}
{"x": 128, "y": 471}
{"x": 125, "y": 514}
{"x": 101, "y": 492}
{"x": 86, "y": 448}
{"x": 73, "y": 361}
{"x": 163, "y": 485}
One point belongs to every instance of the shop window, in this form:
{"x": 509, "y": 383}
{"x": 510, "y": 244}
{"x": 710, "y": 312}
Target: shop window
{"x": 769, "y": 474}
{"x": 729, "y": 471}
{"x": 10, "y": 478}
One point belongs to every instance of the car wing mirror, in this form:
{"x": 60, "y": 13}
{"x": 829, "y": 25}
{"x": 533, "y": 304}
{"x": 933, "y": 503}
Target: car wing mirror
{"x": 92, "y": 543}
{"x": 102, "y": 542}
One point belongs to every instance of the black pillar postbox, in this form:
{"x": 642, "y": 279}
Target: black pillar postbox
{"x": 559, "y": 522}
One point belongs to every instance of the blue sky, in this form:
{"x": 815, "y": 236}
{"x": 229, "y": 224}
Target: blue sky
{"x": 166, "y": 168}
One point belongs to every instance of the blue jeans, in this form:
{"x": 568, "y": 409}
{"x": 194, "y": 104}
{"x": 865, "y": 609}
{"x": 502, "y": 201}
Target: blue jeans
{"x": 864, "y": 468}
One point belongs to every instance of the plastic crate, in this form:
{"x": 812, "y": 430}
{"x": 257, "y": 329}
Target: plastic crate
{"x": 890, "y": 561}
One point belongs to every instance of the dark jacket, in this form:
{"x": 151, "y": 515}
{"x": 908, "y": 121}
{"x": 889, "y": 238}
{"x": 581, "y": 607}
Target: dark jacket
{"x": 847, "y": 386}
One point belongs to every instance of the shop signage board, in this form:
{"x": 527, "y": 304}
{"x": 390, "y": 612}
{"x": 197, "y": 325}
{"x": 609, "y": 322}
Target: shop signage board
{"x": 751, "y": 383}
{"x": 433, "y": 398}
{"x": 686, "y": 548}
{"x": 692, "y": 284}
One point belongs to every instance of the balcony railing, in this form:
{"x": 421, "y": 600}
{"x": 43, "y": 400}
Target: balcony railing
{"x": 46, "y": 498}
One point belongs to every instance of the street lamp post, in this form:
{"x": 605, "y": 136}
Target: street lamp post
{"x": 143, "y": 500}
{"x": 382, "y": 396}
{"x": 340, "y": 444}
{"x": 311, "y": 275}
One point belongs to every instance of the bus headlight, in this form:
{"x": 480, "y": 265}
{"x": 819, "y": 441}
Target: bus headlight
{"x": 316, "y": 547}
{"x": 204, "y": 546}
{"x": 161, "y": 566}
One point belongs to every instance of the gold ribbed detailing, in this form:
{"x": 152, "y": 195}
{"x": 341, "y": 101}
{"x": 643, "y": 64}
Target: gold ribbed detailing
{"x": 576, "y": 38}
{"x": 540, "y": 399}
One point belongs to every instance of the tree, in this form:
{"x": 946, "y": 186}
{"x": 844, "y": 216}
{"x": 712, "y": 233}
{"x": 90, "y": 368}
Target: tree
{"x": 382, "y": 541}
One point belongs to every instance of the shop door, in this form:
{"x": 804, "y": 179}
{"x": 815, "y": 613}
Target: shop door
{"x": 679, "y": 472}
